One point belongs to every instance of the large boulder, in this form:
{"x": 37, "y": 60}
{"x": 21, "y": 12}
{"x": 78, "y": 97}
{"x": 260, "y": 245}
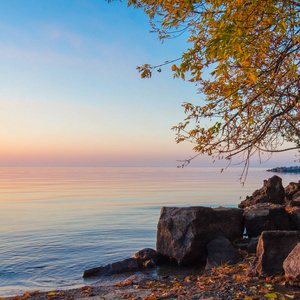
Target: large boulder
{"x": 183, "y": 233}
{"x": 272, "y": 249}
{"x": 263, "y": 218}
{"x": 271, "y": 192}
{"x": 221, "y": 251}
{"x": 291, "y": 264}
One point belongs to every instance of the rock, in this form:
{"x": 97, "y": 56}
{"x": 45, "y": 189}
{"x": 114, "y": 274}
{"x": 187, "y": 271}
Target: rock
{"x": 262, "y": 218}
{"x": 294, "y": 216}
{"x": 295, "y": 202}
{"x": 221, "y": 251}
{"x": 127, "y": 265}
{"x": 271, "y": 192}
{"x": 248, "y": 244}
{"x": 149, "y": 263}
{"x": 296, "y": 195}
{"x": 291, "y": 189}
{"x": 252, "y": 246}
{"x": 145, "y": 254}
{"x": 241, "y": 243}
{"x": 272, "y": 249}
{"x": 291, "y": 264}
{"x": 141, "y": 278}
{"x": 183, "y": 233}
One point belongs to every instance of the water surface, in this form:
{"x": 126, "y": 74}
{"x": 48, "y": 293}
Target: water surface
{"x": 57, "y": 222}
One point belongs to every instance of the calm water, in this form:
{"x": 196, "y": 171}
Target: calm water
{"x": 57, "y": 222}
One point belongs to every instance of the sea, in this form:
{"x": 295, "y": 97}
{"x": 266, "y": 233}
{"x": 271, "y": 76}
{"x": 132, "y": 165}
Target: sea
{"x": 57, "y": 222}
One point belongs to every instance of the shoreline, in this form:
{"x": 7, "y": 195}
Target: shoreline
{"x": 224, "y": 282}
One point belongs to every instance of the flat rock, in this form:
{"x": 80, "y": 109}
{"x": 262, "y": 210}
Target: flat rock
{"x": 127, "y": 265}
{"x": 183, "y": 233}
{"x": 272, "y": 249}
{"x": 221, "y": 251}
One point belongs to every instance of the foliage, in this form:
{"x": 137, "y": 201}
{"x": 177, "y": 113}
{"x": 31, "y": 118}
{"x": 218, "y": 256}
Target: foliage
{"x": 244, "y": 58}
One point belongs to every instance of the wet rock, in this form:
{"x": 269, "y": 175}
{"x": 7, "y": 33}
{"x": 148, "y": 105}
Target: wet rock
{"x": 291, "y": 264}
{"x": 272, "y": 249}
{"x": 127, "y": 265}
{"x": 262, "y": 218}
{"x": 221, "y": 251}
{"x": 271, "y": 192}
{"x": 183, "y": 233}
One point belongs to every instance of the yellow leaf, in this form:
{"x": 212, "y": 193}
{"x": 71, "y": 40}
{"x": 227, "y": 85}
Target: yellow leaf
{"x": 27, "y": 294}
{"x": 51, "y": 294}
{"x": 252, "y": 77}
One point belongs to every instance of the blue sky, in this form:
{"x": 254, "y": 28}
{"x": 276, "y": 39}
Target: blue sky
{"x": 70, "y": 92}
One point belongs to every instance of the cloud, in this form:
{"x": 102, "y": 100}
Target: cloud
{"x": 58, "y": 34}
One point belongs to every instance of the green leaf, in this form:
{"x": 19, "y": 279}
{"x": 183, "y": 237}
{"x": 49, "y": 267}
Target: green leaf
{"x": 272, "y": 296}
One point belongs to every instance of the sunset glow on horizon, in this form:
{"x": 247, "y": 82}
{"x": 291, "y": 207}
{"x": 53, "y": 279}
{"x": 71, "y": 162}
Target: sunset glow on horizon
{"x": 71, "y": 94}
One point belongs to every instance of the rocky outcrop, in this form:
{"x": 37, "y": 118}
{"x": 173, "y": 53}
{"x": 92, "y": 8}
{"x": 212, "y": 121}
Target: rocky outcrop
{"x": 199, "y": 235}
{"x": 221, "y": 251}
{"x": 291, "y": 264}
{"x": 183, "y": 233}
{"x": 263, "y": 218}
{"x": 272, "y": 249}
{"x": 271, "y": 192}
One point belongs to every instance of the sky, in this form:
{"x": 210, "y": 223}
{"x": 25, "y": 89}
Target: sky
{"x": 70, "y": 94}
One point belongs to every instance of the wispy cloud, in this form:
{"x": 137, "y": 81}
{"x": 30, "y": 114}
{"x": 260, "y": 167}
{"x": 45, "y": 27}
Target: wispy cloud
{"x": 56, "y": 33}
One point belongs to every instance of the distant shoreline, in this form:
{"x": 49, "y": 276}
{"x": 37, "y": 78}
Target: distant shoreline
{"x": 291, "y": 169}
